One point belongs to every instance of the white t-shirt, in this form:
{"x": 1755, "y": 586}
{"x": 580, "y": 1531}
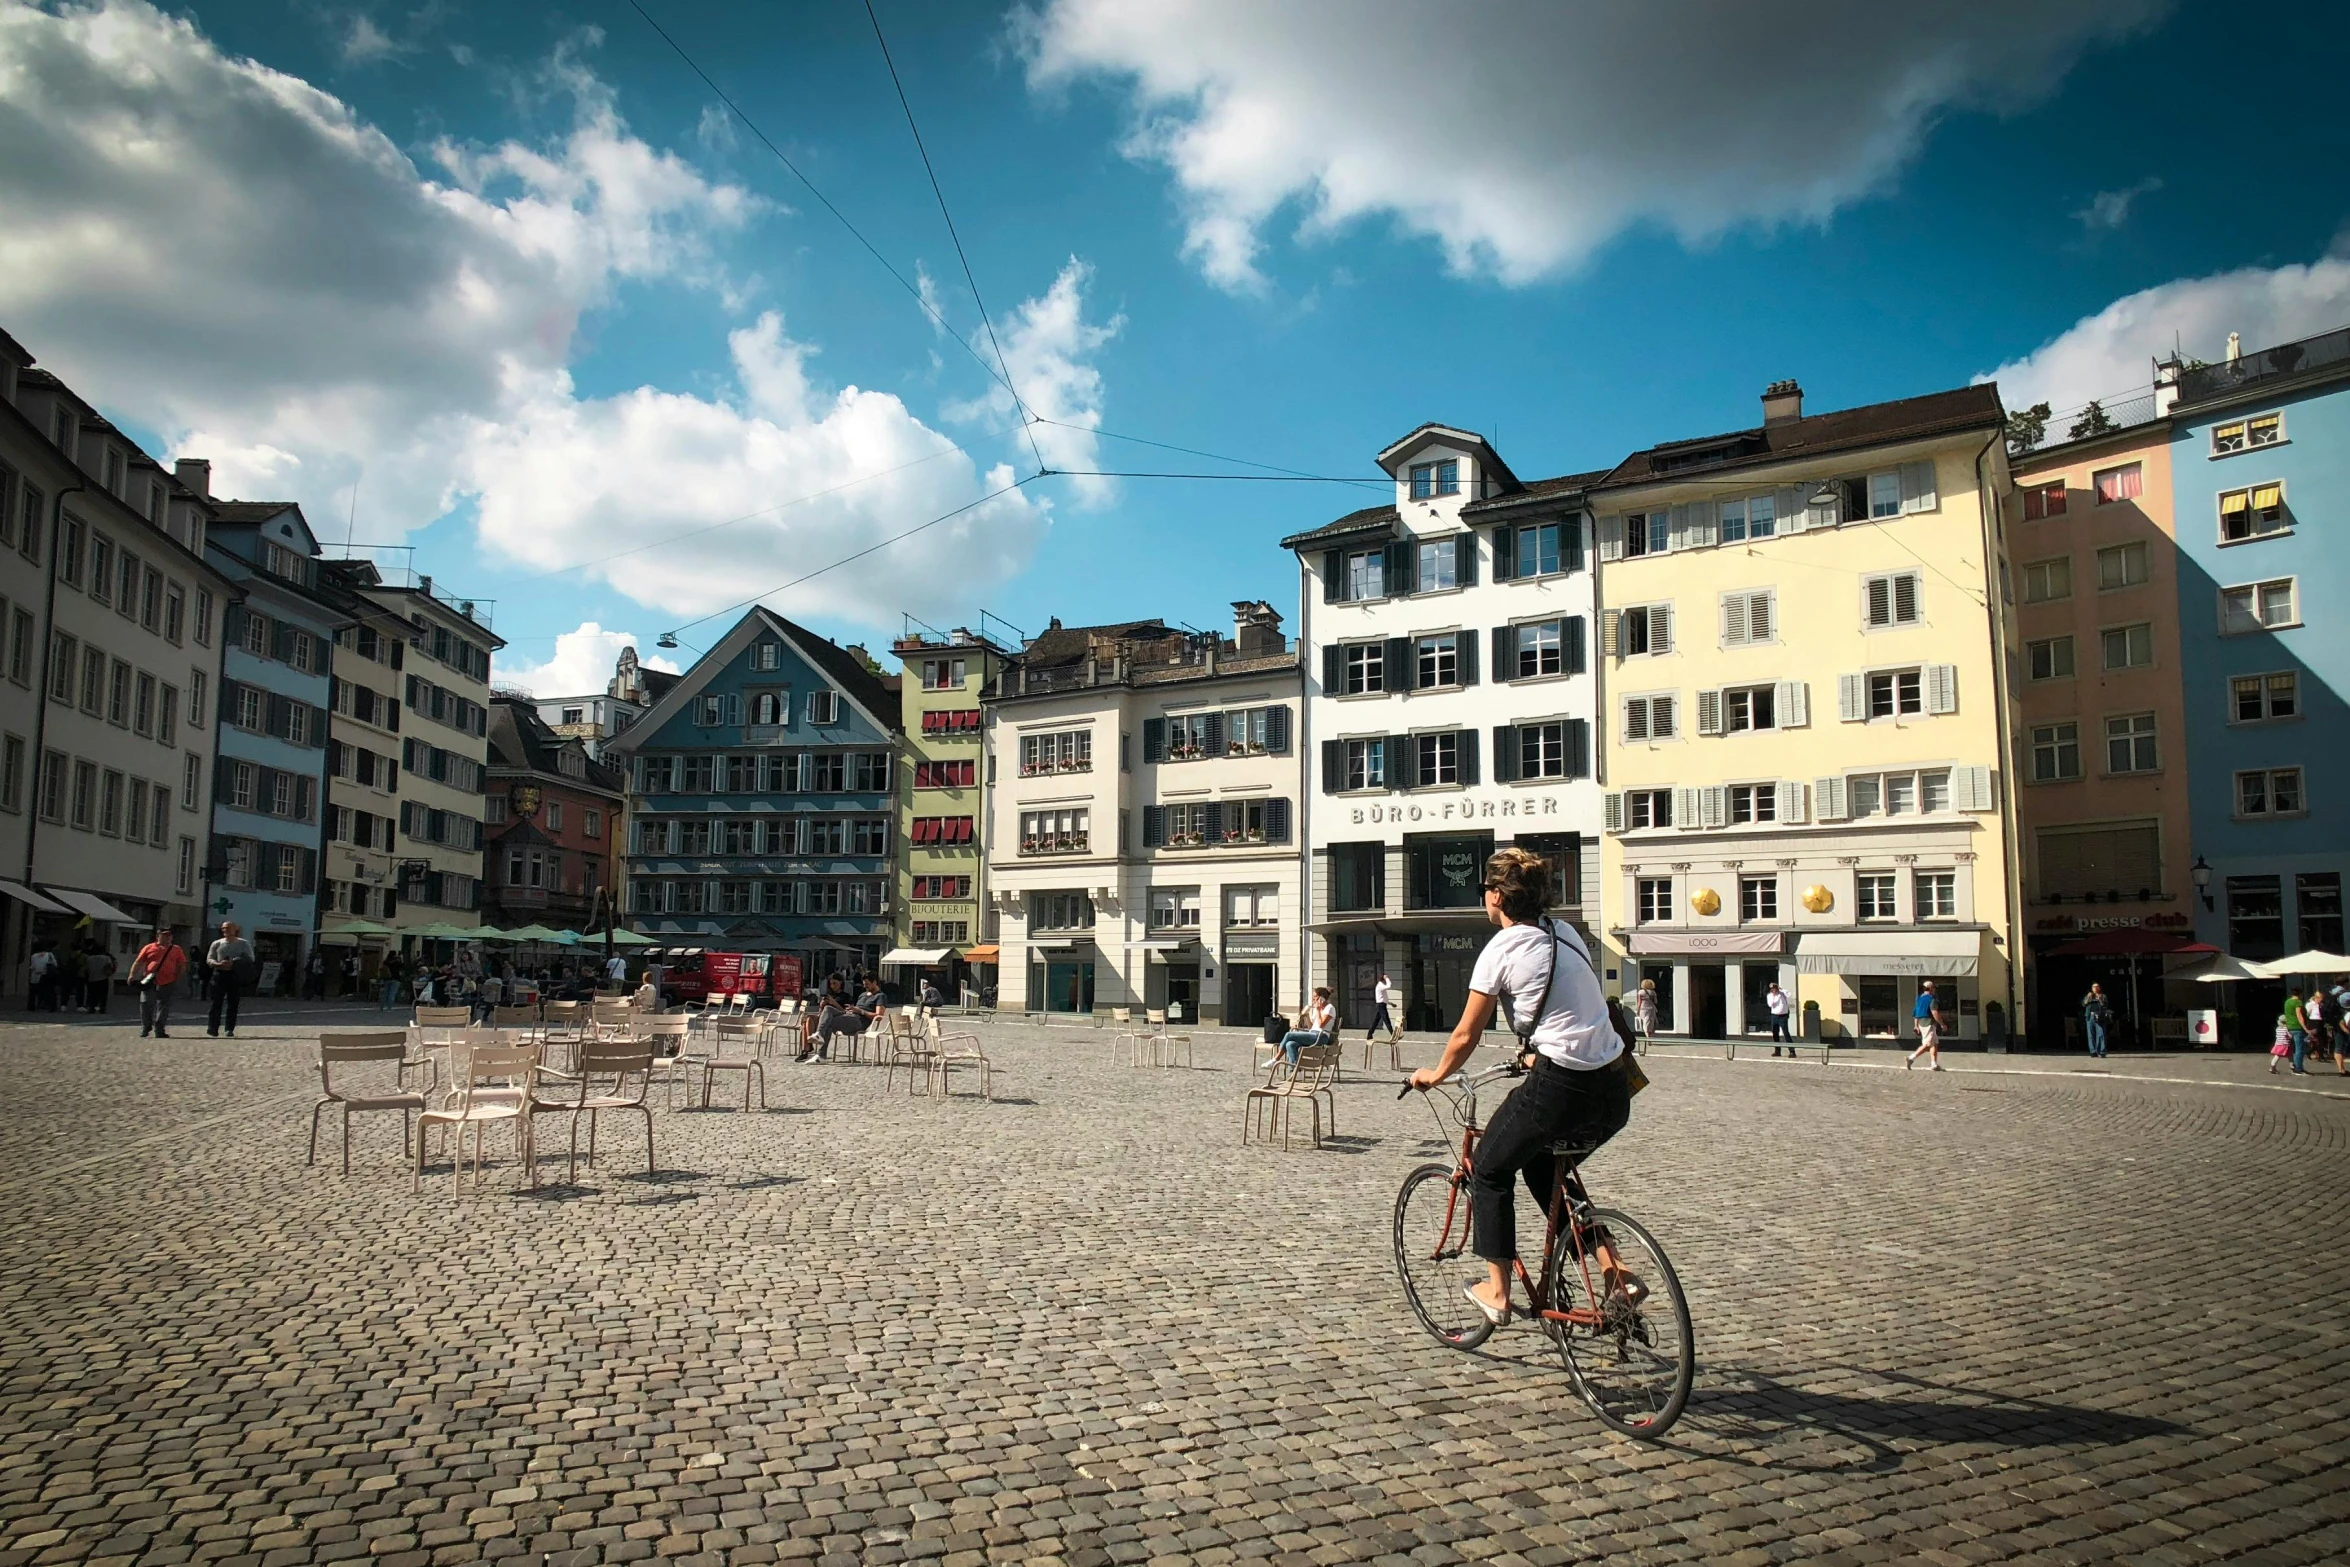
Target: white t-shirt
{"x": 1573, "y": 1030}
{"x": 1379, "y": 993}
{"x": 1778, "y": 1003}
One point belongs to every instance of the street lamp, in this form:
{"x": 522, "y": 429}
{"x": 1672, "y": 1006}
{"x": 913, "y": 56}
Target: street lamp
{"x": 2201, "y": 874}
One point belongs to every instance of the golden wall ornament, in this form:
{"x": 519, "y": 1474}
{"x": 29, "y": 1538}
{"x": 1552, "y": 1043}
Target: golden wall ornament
{"x": 1707, "y": 901}
{"x": 1818, "y": 899}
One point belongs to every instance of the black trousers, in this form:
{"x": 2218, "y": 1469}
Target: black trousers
{"x": 1779, "y": 1034}
{"x": 224, "y": 1002}
{"x": 1554, "y": 1104}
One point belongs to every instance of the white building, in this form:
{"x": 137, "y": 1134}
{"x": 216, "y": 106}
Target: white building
{"x": 1142, "y": 838}
{"x": 1446, "y": 646}
{"x": 600, "y": 717}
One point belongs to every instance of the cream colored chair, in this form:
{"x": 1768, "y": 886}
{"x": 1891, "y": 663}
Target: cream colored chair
{"x": 665, "y": 1037}
{"x": 959, "y": 1050}
{"x": 492, "y": 1087}
{"x": 576, "y": 1094}
{"x": 1274, "y": 1104}
{"x": 355, "y": 1050}
{"x": 733, "y": 1047}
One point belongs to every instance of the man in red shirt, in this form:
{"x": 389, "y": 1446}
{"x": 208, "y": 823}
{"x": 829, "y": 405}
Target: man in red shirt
{"x": 155, "y": 971}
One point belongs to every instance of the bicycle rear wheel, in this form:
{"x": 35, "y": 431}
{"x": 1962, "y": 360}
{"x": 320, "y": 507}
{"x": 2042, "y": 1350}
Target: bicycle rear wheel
{"x": 1634, "y": 1370}
{"x": 1433, "y": 1259}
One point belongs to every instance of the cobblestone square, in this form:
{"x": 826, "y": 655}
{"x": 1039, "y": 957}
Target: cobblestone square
{"x": 1977, "y": 1316}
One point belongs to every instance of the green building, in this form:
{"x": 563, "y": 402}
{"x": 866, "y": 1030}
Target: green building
{"x": 943, "y": 924}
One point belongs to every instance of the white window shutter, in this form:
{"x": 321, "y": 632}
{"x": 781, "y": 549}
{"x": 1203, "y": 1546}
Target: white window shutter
{"x": 1676, "y": 527}
{"x": 1610, "y": 636}
{"x": 1827, "y": 799}
{"x": 1710, "y": 806}
{"x": 1852, "y": 698}
{"x": 1701, "y": 524}
{"x": 1709, "y": 712}
{"x": 1788, "y": 503}
{"x": 1792, "y": 809}
{"x": 1971, "y": 789}
{"x": 1635, "y": 718}
{"x": 1917, "y": 487}
{"x": 1660, "y": 628}
{"x": 1793, "y": 702}
{"x": 1663, "y": 721}
{"x": 1762, "y": 615}
{"x": 1941, "y": 688}
{"x": 1611, "y": 538}
{"x": 1734, "y": 620}
{"x": 1685, "y": 809}
{"x": 1615, "y": 813}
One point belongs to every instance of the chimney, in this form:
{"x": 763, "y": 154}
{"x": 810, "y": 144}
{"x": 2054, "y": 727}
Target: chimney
{"x": 1782, "y": 403}
{"x": 1256, "y": 629}
{"x": 194, "y": 473}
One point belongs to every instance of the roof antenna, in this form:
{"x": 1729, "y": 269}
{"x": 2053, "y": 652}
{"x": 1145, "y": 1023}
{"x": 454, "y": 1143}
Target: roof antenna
{"x": 351, "y": 530}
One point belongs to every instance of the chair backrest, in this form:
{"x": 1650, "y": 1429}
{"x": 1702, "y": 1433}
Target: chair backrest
{"x": 443, "y": 1017}
{"x": 514, "y": 1017}
{"x": 1121, "y": 1014}
{"x": 373, "y": 1045}
{"x": 614, "y": 1058}
{"x": 1154, "y": 1017}
{"x": 1317, "y": 1063}
{"x": 739, "y": 1030}
{"x": 483, "y": 1064}
{"x": 789, "y": 1006}
{"x": 563, "y": 1009}
{"x": 664, "y": 1034}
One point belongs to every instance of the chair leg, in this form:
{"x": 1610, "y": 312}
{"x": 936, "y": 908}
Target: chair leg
{"x": 761, "y": 1073}
{"x": 571, "y": 1174}
{"x": 648, "y": 1110}
{"x": 346, "y": 1139}
{"x": 314, "y": 1109}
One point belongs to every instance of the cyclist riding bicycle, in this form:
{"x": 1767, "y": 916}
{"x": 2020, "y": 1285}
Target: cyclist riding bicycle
{"x": 1579, "y": 1088}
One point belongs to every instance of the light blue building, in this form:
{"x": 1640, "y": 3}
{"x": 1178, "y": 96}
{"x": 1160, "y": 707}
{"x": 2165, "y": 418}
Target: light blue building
{"x": 2260, "y": 465}
{"x": 762, "y": 790}
{"x": 276, "y": 687}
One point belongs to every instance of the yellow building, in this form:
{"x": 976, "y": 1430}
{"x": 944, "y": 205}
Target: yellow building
{"x": 1808, "y": 717}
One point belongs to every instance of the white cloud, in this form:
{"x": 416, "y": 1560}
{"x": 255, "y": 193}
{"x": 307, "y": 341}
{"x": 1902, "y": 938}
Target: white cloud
{"x": 581, "y": 663}
{"x": 2110, "y": 209}
{"x": 2111, "y": 354}
{"x": 364, "y": 43}
{"x": 1521, "y": 135}
{"x": 1048, "y": 353}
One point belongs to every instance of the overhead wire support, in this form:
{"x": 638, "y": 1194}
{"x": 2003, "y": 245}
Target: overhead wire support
{"x": 1027, "y": 417}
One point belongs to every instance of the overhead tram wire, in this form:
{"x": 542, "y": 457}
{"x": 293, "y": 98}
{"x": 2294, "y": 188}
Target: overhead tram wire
{"x": 1027, "y": 418}
{"x": 1193, "y": 451}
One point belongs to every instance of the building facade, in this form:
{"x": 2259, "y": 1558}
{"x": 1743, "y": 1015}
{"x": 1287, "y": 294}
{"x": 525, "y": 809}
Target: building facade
{"x": 2101, "y": 801}
{"x": 553, "y": 822}
{"x": 942, "y": 922}
{"x": 109, "y": 669}
{"x": 1144, "y": 821}
{"x": 762, "y": 801}
{"x": 1446, "y": 651}
{"x": 2260, "y": 462}
{"x": 598, "y": 717}
{"x": 1803, "y": 652}
{"x": 269, "y": 795}
{"x": 359, "y": 900}
{"x": 444, "y": 753}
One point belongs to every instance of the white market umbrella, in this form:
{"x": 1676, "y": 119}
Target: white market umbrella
{"x": 2310, "y": 962}
{"x": 2216, "y": 969}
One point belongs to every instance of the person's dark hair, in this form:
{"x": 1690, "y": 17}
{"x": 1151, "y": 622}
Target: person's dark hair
{"x": 1522, "y": 880}
{"x": 1322, "y": 991}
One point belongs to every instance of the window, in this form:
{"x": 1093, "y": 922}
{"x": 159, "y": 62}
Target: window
{"x": 2042, "y": 501}
{"x": 2121, "y": 566}
{"x": 191, "y": 780}
{"x": 1245, "y": 907}
{"x": 944, "y": 674}
{"x": 1756, "y": 517}
{"x": 12, "y": 763}
{"x": 1175, "y": 908}
{"x": 1758, "y": 898}
{"x": 69, "y": 551}
{"x": 85, "y": 794}
{"x": 1541, "y": 649}
{"x": 2252, "y": 513}
{"x": 2269, "y": 791}
{"x": 151, "y": 600}
{"x": 1542, "y": 750}
{"x": 1646, "y": 628}
{"x": 2056, "y": 752}
{"x": 198, "y": 714}
{"x": 1655, "y": 899}
{"x": 253, "y": 709}
{"x": 1896, "y": 692}
{"x": 1365, "y": 668}
{"x": 1649, "y": 718}
{"x": 1897, "y": 794}
{"x": 175, "y": 613}
{"x": 1440, "y": 565}
{"x": 1753, "y": 803}
{"x": 1636, "y": 534}
{"x": 1748, "y": 618}
{"x": 53, "y": 786}
{"x": 947, "y": 775}
{"x": 2247, "y": 434}
{"x": 1648, "y": 808}
{"x": 2256, "y": 917}
{"x": 1439, "y": 759}
{"x": 1189, "y": 736}
{"x": 203, "y": 617}
{"x": 1874, "y": 895}
{"x": 1062, "y": 831}
{"x": 1538, "y": 553}
{"x": 118, "y": 694}
{"x": 1884, "y": 495}
{"x": 64, "y": 658}
{"x": 2259, "y": 698}
{"x": 1256, "y": 731}
{"x": 823, "y": 707}
{"x": 1366, "y": 575}
{"x": 93, "y": 682}
{"x": 1891, "y": 599}
{"x": 20, "y": 647}
{"x": 1366, "y": 764}
{"x": 827, "y": 772}
{"x": 766, "y": 656}
{"x": 1435, "y": 478}
{"x": 2317, "y": 897}
{"x": 1066, "y": 751}
{"x": 2128, "y": 647}
{"x": 1358, "y": 876}
{"x": 2129, "y": 743}
{"x": 1747, "y": 708}
{"x": 1439, "y": 660}
{"x": 1060, "y": 911}
{"x": 101, "y": 568}
{"x": 2118, "y": 484}
{"x": 932, "y": 888}
{"x": 2050, "y": 658}
{"x": 2047, "y": 580}
{"x": 143, "y": 706}
{"x": 1936, "y": 893}
{"x": 2259, "y": 606}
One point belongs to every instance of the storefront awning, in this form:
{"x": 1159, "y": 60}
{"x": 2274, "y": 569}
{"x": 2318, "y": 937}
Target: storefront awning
{"x": 1704, "y": 943}
{"x": 987, "y": 954}
{"x": 1160, "y": 944}
{"x": 2130, "y": 942}
{"x": 91, "y": 904}
{"x": 915, "y": 957}
{"x": 31, "y": 899}
{"x": 1929, "y": 952}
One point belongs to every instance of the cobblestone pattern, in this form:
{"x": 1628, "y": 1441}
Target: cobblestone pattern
{"x": 1940, "y": 1319}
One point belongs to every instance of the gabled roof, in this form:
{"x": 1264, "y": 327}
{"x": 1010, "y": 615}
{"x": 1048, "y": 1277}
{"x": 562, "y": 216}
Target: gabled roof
{"x": 1815, "y": 435}
{"x": 1567, "y": 486}
{"x": 1468, "y": 440}
{"x": 1058, "y": 645}
{"x": 1370, "y": 520}
{"x": 250, "y": 511}
{"x": 847, "y": 674}
{"x": 521, "y": 740}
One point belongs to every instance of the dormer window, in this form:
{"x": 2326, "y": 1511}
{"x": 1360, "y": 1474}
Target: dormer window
{"x": 111, "y": 461}
{"x": 1430, "y": 479}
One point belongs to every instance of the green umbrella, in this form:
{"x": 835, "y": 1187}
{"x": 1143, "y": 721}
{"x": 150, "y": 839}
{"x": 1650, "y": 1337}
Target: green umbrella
{"x": 629, "y": 938}
{"x": 534, "y": 933}
{"x": 363, "y": 928}
{"x": 447, "y": 932}
{"x": 489, "y": 933}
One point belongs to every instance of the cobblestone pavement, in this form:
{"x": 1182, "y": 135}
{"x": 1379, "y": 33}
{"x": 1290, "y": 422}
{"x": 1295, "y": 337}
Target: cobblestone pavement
{"x": 1951, "y": 1318}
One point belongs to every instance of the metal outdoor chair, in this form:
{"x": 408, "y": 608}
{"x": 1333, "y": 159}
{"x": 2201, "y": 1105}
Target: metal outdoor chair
{"x": 492, "y": 1087}
{"x": 950, "y": 1051}
{"x": 665, "y": 1037}
{"x": 1274, "y": 1104}
{"x": 734, "y": 1047}
{"x": 353, "y": 1050}
{"x": 599, "y": 1059}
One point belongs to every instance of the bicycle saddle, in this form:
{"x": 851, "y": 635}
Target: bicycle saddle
{"x": 1569, "y": 1149}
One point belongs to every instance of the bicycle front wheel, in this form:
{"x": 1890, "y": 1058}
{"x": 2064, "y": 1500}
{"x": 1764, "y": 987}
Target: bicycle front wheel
{"x": 1634, "y": 1369}
{"x": 1431, "y": 1243}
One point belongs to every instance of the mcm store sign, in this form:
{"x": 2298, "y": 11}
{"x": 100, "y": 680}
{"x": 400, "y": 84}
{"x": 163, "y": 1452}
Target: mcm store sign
{"x": 1462, "y": 810}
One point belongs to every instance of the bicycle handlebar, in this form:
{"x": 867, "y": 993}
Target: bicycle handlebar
{"x": 1508, "y": 1068}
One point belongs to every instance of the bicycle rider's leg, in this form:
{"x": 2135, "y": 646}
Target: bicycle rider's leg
{"x": 1522, "y": 1127}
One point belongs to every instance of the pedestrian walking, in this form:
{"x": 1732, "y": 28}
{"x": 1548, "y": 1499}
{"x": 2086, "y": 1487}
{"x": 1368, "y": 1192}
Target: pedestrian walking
{"x": 41, "y": 994}
{"x": 1381, "y": 994}
{"x": 314, "y": 976}
{"x": 2096, "y": 1020}
{"x": 391, "y": 982}
{"x": 2296, "y": 1032}
{"x": 1778, "y": 1005}
{"x": 2316, "y": 1015}
{"x": 159, "y": 966}
{"x": 1644, "y": 1010}
{"x": 97, "y": 979}
{"x": 1927, "y": 1014}
{"x": 349, "y": 969}
{"x": 227, "y": 958}
{"x": 616, "y": 971}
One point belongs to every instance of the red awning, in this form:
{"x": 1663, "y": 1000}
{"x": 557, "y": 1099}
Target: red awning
{"x": 2131, "y": 943}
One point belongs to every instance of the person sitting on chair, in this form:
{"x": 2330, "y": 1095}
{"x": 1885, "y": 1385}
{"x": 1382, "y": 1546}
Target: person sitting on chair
{"x": 1317, "y": 1024}
{"x": 852, "y": 1019}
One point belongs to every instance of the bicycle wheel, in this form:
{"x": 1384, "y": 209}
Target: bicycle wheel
{"x": 1433, "y": 1259}
{"x": 1634, "y": 1370}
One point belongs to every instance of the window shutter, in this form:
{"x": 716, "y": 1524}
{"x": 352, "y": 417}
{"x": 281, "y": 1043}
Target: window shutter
{"x": 1333, "y": 669}
{"x": 1710, "y": 805}
{"x": 1505, "y": 753}
{"x": 1505, "y": 553}
{"x": 1709, "y": 712}
{"x": 1611, "y": 538}
{"x": 1277, "y": 730}
{"x": 1787, "y": 504}
{"x": 1403, "y": 762}
{"x": 1333, "y": 574}
{"x": 1464, "y": 560}
{"x": 1792, "y": 704}
{"x": 1277, "y": 821}
{"x": 1333, "y": 766}
{"x": 1614, "y": 809}
{"x": 1941, "y": 688}
{"x": 1879, "y": 607}
{"x": 1571, "y": 543}
{"x": 734, "y": 708}
{"x": 1917, "y": 487}
{"x": 1663, "y": 722}
{"x": 1827, "y": 799}
{"x": 1791, "y": 802}
{"x": 1734, "y": 632}
{"x": 1396, "y": 671}
{"x": 1852, "y": 698}
{"x": 1905, "y": 599}
{"x": 1660, "y": 628}
{"x": 1465, "y": 653}
{"x": 1505, "y": 653}
{"x": 1762, "y": 615}
{"x": 1700, "y": 524}
{"x": 1685, "y": 809}
{"x": 1676, "y": 527}
{"x": 1154, "y": 740}
{"x": 1211, "y": 825}
{"x": 1578, "y": 748}
{"x": 1465, "y": 748}
{"x": 1571, "y": 644}
{"x": 1975, "y": 789}
{"x": 1215, "y": 734}
{"x": 1154, "y": 826}
{"x": 1611, "y": 623}
{"x": 1635, "y": 725}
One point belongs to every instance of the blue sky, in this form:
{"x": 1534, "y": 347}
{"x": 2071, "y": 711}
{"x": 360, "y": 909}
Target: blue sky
{"x": 520, "y": 263}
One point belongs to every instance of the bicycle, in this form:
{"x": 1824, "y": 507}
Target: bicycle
{"x": 1631, "y": 1355}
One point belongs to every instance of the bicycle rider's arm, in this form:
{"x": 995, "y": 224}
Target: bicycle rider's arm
{"x": 1476, "y": 1017}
